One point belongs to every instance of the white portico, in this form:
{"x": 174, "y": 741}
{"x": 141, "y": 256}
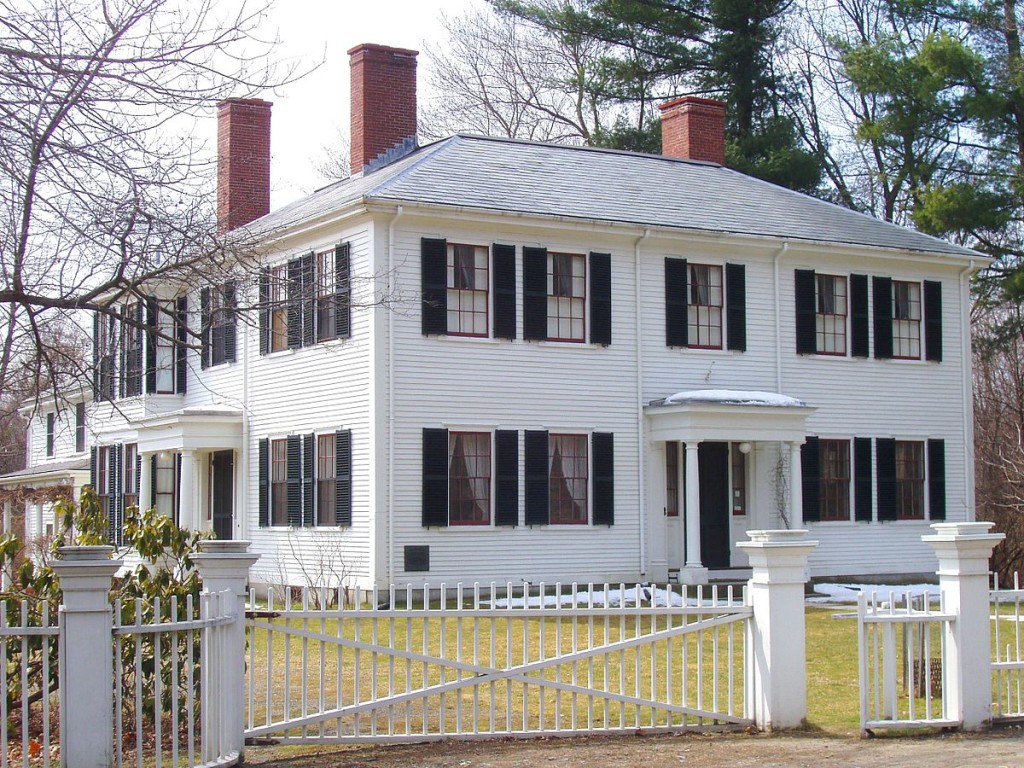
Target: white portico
{"x": 718, "y": 434}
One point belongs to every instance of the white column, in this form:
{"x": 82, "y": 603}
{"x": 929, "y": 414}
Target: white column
{"x": 692, "y": 507}
{"x": 145, "y": 480}
{"x": 796, "y": 487}
{"x": 86, "y": 663}
{"x": 224, "y": 565}
{"x": 5, "y": 577}
{"x": 188, "y": 515}
{"x": 37, "y": 516}
{"x": 963, "y": 550}
{"x": 777, "y": 649}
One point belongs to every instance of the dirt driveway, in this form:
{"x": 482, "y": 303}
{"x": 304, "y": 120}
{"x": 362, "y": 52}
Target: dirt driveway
{"x": 997, "y": 749}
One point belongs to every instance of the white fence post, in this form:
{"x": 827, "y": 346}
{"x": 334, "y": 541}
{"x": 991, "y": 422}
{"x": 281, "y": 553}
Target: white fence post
{"x": 224, "y": 565}
{"x": 86, "y": 656}
{"x": 963, "y": 550}
{"x": 777, "y": 644}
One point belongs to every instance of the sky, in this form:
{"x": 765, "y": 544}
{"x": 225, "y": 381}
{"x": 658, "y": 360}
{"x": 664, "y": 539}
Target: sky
{"x": 310, "y": 115}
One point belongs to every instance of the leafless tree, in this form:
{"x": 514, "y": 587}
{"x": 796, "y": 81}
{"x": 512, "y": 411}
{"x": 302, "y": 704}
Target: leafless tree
{"x": 106, "y": 189}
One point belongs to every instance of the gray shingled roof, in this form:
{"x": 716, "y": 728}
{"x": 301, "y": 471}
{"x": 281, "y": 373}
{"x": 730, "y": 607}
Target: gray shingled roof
{"x": 492, "y": 174}
{"x": 50, "y": 468}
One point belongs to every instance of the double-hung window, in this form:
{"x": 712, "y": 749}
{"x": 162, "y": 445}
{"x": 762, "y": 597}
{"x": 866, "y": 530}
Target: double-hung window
{"x": 469, "y": 478}
{"x": 165, "y": 484}
{"x": 132, "y": 333}
{"x": 910, "y": 476}
{"x": 130, "y": 476}
{"x": 704, "y": 308}
{"x": 567, "y": 296}
{"x": 278, "y": 308}
{"x": 51, "y": 420}
{"x": 164, "y": 340}
{"x": 326, "y": 303}
{"x": 279, "y": 482}
{"x": 906, "y": 320}
{"x": 672, "y": 479}
{"x": 106, "y": 356}
{"x": 79, "y": 427}
{"x": 834, "y": 457}
{"x": 568, "y": 479}
{"x": 218, "y": 309}
{"x": 326, "y": 511}
{"x": 467, "y": 298}
{"x": 830, "y": 315}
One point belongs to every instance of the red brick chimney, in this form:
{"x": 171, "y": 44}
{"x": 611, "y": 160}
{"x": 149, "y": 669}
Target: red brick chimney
{"x": 243, "y": 162}
{"x": 693, "y": 128}
{"x": 383, "y": 101}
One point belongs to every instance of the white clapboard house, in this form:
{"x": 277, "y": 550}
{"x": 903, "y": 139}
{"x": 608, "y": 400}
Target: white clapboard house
{"x": 495, "y": 360}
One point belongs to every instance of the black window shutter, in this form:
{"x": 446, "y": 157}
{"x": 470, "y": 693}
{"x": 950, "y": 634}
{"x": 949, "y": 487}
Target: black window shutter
{"x": 113, "y": 489}
{"x": 503, "y": 284}
{"x": 603, "y": 450}
{"x": 181, "y": 326}
{"x": 152, "y": 484}
{"x": 535, "y": 294}
{"x": 933, "y": 321}
{"x": 736, "y": 307}
{"x": 434, "y": 289}
{"x": 92, "y": 468}
{"x": 308, "y": 479}
{"x": 343, "y": 477}
{"x": 859, "y": 315}
{"x": 110, "y": 387}
{"x": 140, "y": 334}
{"x": 810, "y": 465}
{"x": 881, "y": 289}
{"x": 151, "y": 341}
{"x": 308, "y": 298}
{"x": 294, "y": 481}
{"x": 264, "y": 482}
{"x": 97, "y": 387}
{"x": 862, "y": 486}
{"x": 885, "y": 458}
{"x": 231, "y": 322}
{"x": 295, "y": 304}
{"x": 177, "y": 484}
{"x": 601, "y": 298}
{"x": 264, "y": 299}
{"x": 676, "y": 320}
{"x": 804, "y": 288}
{"x": 204, "y": 328}
{"x": 506, "y": 463}
{"x": 537, "y": 477}
{"x": 435, "y": 477}
{"x": 343, "y": 290}
{"x": 122, "y": 343}
{"x": 937, "y": 479}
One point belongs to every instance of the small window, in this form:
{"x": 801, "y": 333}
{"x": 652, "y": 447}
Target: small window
{"x": 909, "y": 480}
{"x": 469, "y": 478}
{"x": 279, "y": 482}
{"x": 567, "y": 296}
{"x": 835, "y": 479}
{"x": 672, "y": 479}
{"x": 704, "y": 306}
{"x": 568, "y": 479}
{"x": 906, "y": 320}
{"x": 165, "y": 484}
{"x": 467, "y": 280}
{"x": 279, "y": 308}
{"x": 326, "y": 512}
{"x": 50, "y": 429}
{"x": 130, "y": 486}
{"x": 830, "y": 316}
{"x": 79, "y": 427}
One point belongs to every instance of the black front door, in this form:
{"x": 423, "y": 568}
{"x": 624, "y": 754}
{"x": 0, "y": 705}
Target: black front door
{"x": 223, "y": 463}
{"x": 713, "y": 467}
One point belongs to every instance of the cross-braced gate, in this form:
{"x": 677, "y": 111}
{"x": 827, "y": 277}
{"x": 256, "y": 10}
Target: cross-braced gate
{"x": 495, "y": 661}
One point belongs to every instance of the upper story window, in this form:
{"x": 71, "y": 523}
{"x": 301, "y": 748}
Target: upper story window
{"x": 79, "y": 427}
{"x": 278, "y": 308}
{"x": 567, "y": 296}
{"x": 467, "y": 278}
{"x": 164, "y": 340}
{"x": 568, "y": 479}
{"x": 469, "y": 478}
{"x": 704, "y": 314}
{"x": 830, "y": 315}
{"x": 906, "y": 320}
{"x": 219, "y": 322}
{"x": 105, "y": 356}
{"x": 834, "y": 497}
{"x": 50, "y": 429}
{"x": 132, "y": 334}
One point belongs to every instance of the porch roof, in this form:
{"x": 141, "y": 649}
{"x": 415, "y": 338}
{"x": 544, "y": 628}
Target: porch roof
{"x": 65, "y": 472}
{"x": 727, "y": 415}
{"x": 197, "y": 428}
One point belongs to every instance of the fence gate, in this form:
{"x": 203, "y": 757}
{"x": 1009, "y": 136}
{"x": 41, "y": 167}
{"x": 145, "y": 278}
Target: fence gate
{"x": 1007, "y": 652}
{"x": 494, "y": 661}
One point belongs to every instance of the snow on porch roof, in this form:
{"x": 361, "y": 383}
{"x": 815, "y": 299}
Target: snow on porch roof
{"x": 731, "y": 397}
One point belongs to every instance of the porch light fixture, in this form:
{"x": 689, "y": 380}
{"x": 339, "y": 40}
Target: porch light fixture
{"x": 745, "y": 448}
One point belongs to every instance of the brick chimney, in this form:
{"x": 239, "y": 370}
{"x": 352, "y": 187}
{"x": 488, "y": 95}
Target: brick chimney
{"x": 693, "y": 128}
{"x": 383, "y": 101}
{"x": 243, "y": 162}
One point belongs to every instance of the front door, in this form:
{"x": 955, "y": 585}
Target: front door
{"x": 713, "y": 467}
{"x": 223, "y": 496}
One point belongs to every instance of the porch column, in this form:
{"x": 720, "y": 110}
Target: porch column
{"x": 5, "y": 577}
{"x": 692, "y": 507}
{"x": 187, "y": 513}
{"x": 145, "y": 480}
{"x": 796, "y": 489}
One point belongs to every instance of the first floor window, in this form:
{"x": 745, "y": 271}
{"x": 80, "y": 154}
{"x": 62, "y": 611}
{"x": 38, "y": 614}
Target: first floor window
{"x": 834, "y": 456}
{"x": 165, "y": 484}
{"x": 279, "y": 482}
{"x": 467, "y": 280}
{"x": 469, "y": 478}
{"x": 672, "y": 479}
{"x": 568, "y": 479}
{"x": 130, "y": 489}
{"x": 325, "y": 481}
{"x": 909, "y": 480}
{"x": 830, "y": 317}
{"x": 104, "y": 454}
{"x": 567, "y": 296}
{"x": 906, "y": 320}
{"x": 704, "y": 308}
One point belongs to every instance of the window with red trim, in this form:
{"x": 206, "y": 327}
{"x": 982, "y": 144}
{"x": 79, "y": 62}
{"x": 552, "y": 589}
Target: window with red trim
{"x": 906, "y": 320}
{"x": 830, "y": 315}
{"x": 568, "y": 476}
{"x": 909, "y": 480}
{"x": 834, "y": 456}
{"x": 567, "y": 296}
{"x": 704, "y": 306}
{"x": 469, "y": 478}
{"x": 467, "y": 290}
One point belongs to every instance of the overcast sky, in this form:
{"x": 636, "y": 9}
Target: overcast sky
{"x": 313, "y": 113}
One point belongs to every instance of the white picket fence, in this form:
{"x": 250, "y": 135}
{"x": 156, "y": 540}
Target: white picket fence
{"x": 1007, "y": 651}
{"x": 488, "y": 661}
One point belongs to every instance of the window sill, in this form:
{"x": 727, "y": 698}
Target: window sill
{"x": 568, "y": 344}
{"x": 709, "y": 351}
{"x": 470, "y": 339}
{"x": 280, "y": 353}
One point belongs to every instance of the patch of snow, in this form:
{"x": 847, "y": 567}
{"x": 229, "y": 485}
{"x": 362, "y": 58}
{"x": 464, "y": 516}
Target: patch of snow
{"x": 612, "y": 598}
{"x": 849, "y": 593}
{"x": 734, "y": 397}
